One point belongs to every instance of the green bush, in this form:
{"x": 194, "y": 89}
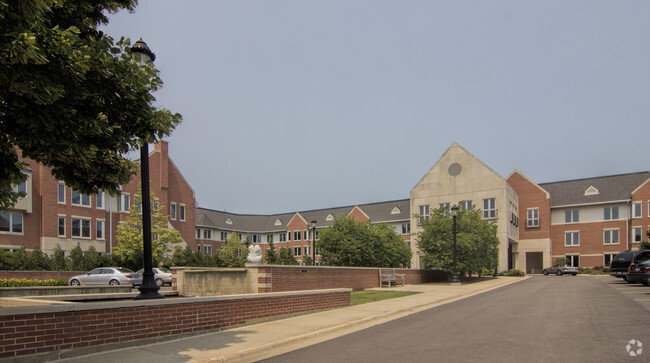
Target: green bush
{"x": 516, "y": 272}
{"x": 25, "y": 282}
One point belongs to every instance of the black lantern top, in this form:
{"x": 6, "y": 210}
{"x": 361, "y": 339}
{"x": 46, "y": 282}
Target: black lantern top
{"x": 142, "y": 52}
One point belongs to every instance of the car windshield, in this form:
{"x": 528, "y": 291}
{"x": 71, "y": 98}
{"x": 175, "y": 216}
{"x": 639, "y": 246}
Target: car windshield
{"x": 165, "y": 270}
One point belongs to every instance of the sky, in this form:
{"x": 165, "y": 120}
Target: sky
{"x": 292, "y": 105}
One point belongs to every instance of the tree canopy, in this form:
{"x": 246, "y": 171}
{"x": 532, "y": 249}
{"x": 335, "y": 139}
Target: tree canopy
{"x": 350, "y": 243}
{"x": 476, "y": 241}
{"x": 233, "y": 253}
{"x": 70, "y": 97}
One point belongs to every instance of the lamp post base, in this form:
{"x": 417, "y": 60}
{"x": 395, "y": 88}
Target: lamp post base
{"x": 148, "y": 289}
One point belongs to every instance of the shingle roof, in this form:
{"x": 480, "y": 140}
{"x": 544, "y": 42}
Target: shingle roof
{"x": 397, "y": 210}
{"x": 610, "y": 188}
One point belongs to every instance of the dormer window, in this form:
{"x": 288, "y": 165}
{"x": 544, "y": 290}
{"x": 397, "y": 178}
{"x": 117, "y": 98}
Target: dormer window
{"x": 592, "y": 191}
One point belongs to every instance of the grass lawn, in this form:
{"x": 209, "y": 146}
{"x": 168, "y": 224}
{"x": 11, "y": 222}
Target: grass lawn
{"x": 366, "y": 296}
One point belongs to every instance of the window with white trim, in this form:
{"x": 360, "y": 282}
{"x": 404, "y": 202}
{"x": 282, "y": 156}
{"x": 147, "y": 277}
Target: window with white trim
{"x": 77, "y": 198}
{"x": 489, "y": 208}
{"x": 224, "y": 236}
{"x": 172, "y": 211}
{"x": 125, "y": 202}
{"x": 269, "y": 238}
{"x": 283, "y": 237}
{"x": 61, "y": 226}
{"x": 466, "y": 205}
{"x": 297, "y": 251}
{"x": 60, "y": 193}
{"x": 99, "y": 229}
{"x": 572, "y": 238}
{"x": 611, "y": 213}
{"x": 296, "y": 235}
{"x": 181, "y": 212}
{"x": 572, "y": 216}
{"x": 636, "y": 210}
{"x": 532, "y": 217}
{"x": 637, "y": 234}
{"x": 80, "y": 227}
{"x": 607, "y": 259}
{"x": 207, "y": 234}
{"x": 305, "y": 235}
{"x": 424, "y": 213}
{"x": 406, "y": 228}
{"x": 573, "y": 260}
{"x": 99, "y": 200}
{"x": 207, "y": 250}
{"x": 611, "y": 236}
{"x": 11, "y": 222}
{"x": 307, "y": 250}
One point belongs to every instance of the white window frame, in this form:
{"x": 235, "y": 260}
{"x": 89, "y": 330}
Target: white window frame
{"x": 60, "y": 219}
{"x": 100, "y": 200}
{"x": 181, "y": 212}
{"x": 572, "y": 216}
{"x": 573, "y": 235}
{"x": 81, "y": 202}
{"x": 571, "y": 260}
{"x": 610, "y": 234}
{"x": 269, "y": 238}
{"x": 636, "y": 214}
{"x": 306, "y": 250}
{"x": 172, "y": 211}
{"x": 297, "y": 250}
{"x": 297, "y": 234}
{"x": 60, "y": 193}
{"x": 634, "y": 233}
{"x": 10, "y": 220}
{"x": 611, "y": 257}
{"x": 466, "y": 205}
{"x": 125, "y": 202}
{"x": 224, "y": 236}
{"x": 282, "y": 237}
{"x": 532, "y": 217}
{"x": 425, "y": 212}
{"x": 100, "y": 229}
{"x": 207, "y": 249}
{"x": 81, "y": 234}
{"x": 406, "y": 228}
{"x": 489, "y": 208}
{"x": 207, "y": 234}
{"x": 611, "y": 213}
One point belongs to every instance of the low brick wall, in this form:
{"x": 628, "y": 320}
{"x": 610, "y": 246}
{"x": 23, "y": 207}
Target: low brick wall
{"x": 39, "y": 275}
{"x": 56, "y": 331}
{"x": 273, "y": 278}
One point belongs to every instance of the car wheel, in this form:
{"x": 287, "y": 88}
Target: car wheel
{"x": 160, "y": 282}
{"x": 114, "y": 283}
{"x": 559, "y": 273}
{"x": 574, "y": 274}
{"x": 75, "y": 283}
{"x": 545, "y": 272}
{"x": 644, "y": 282}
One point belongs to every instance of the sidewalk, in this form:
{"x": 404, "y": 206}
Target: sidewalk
{"x": 254, "y": 342}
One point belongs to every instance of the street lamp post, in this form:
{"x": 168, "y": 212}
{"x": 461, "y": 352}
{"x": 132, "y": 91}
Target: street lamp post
{"x": 454, "y": 213}
{"x": 148, "y": 288}
{"x": 313, "y": 242}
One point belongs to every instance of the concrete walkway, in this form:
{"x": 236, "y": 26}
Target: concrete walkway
{"x": 254, "y": 342}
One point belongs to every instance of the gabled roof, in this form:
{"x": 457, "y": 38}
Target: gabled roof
{"x": 611, "y": 188}
{"x": 249, "y": 223}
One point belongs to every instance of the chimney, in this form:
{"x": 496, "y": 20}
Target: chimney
{"x": 162, "y": 147}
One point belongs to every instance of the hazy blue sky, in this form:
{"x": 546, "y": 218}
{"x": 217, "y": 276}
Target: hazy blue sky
{"x": 297, "y": 105}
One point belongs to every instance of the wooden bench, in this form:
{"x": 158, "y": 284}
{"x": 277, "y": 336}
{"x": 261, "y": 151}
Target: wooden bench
{"x": 389, "y": 277}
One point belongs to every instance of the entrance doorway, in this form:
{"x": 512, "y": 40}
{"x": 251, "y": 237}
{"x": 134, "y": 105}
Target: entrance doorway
{"x": 534, "y": 262}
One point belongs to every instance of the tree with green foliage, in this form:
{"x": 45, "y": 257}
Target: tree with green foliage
{"x": 233, "y": 253}
{"x": 129, "y": 234}
{"x": 58, "y": 258}
{"x": 350, "y": 243}
{"x": 271, "y": 254}
{"x": 38, "y": 260}
{"x": 645, "y": 245}
{"x": 74, "y": 260}
{"x": 71, "y": 98}
{"x": 286, "y": 257}
{"x": 476, "y": 241}
{"x": 307, "y": 261}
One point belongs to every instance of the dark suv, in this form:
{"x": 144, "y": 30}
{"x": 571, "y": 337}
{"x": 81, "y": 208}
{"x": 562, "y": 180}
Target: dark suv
{"x": 636, "y": 272}
{"x": 620, "y": 264}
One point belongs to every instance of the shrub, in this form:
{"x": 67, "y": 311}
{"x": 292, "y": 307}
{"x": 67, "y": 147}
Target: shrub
{"x": 516, "y": 272}
{"x": 25, "y": 282}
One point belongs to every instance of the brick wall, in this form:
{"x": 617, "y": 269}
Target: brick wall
{"x": 295, "y": 278}
{"x": 25, "y": 331}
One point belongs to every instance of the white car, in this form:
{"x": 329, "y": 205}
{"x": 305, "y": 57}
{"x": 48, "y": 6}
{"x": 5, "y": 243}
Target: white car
{"x": 162, "y": 276}
{"x": 113, "y": 276}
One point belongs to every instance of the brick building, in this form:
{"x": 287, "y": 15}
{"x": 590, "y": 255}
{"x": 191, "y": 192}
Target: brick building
{"x": 585, "y": 220}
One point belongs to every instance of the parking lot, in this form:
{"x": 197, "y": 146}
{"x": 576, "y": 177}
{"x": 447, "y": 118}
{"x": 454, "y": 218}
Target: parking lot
{"x": 638, "y": 293}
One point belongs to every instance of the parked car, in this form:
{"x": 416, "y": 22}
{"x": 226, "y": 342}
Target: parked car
{"x": 620, "y": 264}
{"x": 112, "y": 276}
{"x": 162, "y": 276}
{"x": 639, "y": 272}
{"x": 634, "y": 273}
{"x": 561, "y": 270}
